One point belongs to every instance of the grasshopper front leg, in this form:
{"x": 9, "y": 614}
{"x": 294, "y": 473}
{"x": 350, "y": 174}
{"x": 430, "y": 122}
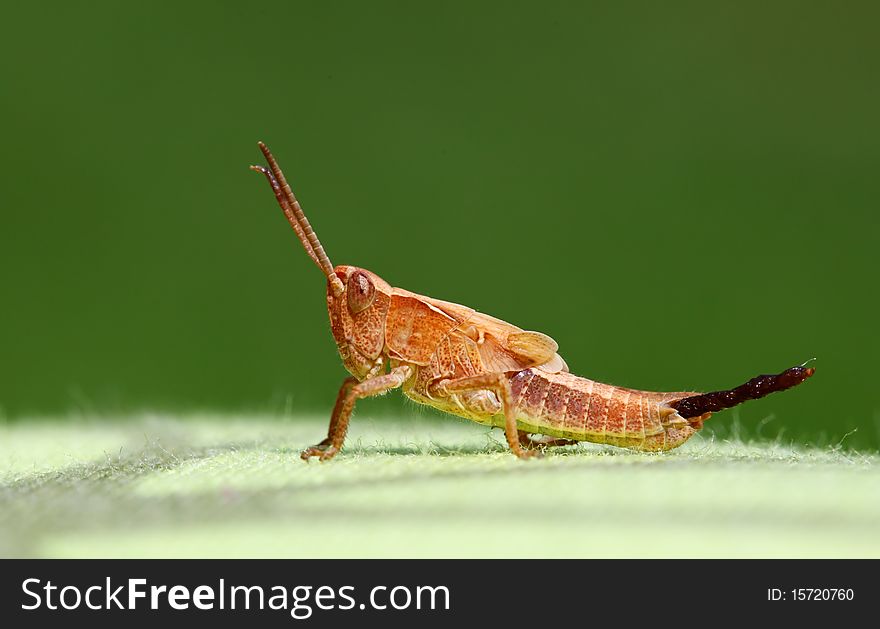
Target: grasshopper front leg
{"x": 498, "y": 383}
{"x": 347, "y": 384}
{"x": 349, "y": 393}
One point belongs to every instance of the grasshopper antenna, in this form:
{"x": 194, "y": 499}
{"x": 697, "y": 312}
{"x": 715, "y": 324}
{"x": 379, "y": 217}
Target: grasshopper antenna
{"x": 291, "y": 217}
{"x": 297, "y": 218}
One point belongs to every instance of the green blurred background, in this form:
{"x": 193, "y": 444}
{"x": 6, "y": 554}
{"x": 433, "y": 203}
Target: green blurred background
{"x": 682, "y": 195}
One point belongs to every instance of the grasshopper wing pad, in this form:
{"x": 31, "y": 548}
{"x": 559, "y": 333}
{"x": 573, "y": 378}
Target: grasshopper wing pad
{"x": 503, "y": 346}
{"x": 506, "y": 347}
{"x": 532, "y": 346}
{"x": 534, "y": 349}
{"x": 554, "y": 365}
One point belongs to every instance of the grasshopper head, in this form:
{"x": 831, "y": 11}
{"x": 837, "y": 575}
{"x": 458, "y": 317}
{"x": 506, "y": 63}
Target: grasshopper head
{"x": 357, "y": 317}
{"x": 357, "y": 299}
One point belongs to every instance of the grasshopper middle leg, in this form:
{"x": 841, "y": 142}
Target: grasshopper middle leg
{"x": 349, "y": 393}
{"x": 498, "y": 383}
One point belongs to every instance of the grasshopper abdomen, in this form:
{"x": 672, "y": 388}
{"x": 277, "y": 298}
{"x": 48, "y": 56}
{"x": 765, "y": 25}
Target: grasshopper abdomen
{"x": 567, "y": 406}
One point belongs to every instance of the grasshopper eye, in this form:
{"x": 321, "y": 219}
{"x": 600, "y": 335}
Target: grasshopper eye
{"x": 361, "y": 292}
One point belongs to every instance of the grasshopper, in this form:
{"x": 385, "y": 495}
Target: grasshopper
{"x": 478, "y": 367}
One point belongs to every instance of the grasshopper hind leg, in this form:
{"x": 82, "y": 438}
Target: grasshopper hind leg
{"x": 530, "y": 441}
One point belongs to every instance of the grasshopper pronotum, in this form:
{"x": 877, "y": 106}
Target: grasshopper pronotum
{"x": 469, "y": 364}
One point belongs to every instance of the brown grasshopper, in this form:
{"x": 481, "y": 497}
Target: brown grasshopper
{"x": 478, "y": 367}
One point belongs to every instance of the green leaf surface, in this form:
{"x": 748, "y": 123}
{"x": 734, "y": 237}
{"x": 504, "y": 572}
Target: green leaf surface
{"x": 234, "y": 486}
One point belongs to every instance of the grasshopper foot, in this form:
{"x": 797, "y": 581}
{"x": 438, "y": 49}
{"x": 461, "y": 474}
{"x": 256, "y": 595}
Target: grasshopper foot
{"x": 521, "y": 447}
{"x": 324, "y": 451}
{"x": 523, "y": 454}
{"x": 329, "y": 453}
